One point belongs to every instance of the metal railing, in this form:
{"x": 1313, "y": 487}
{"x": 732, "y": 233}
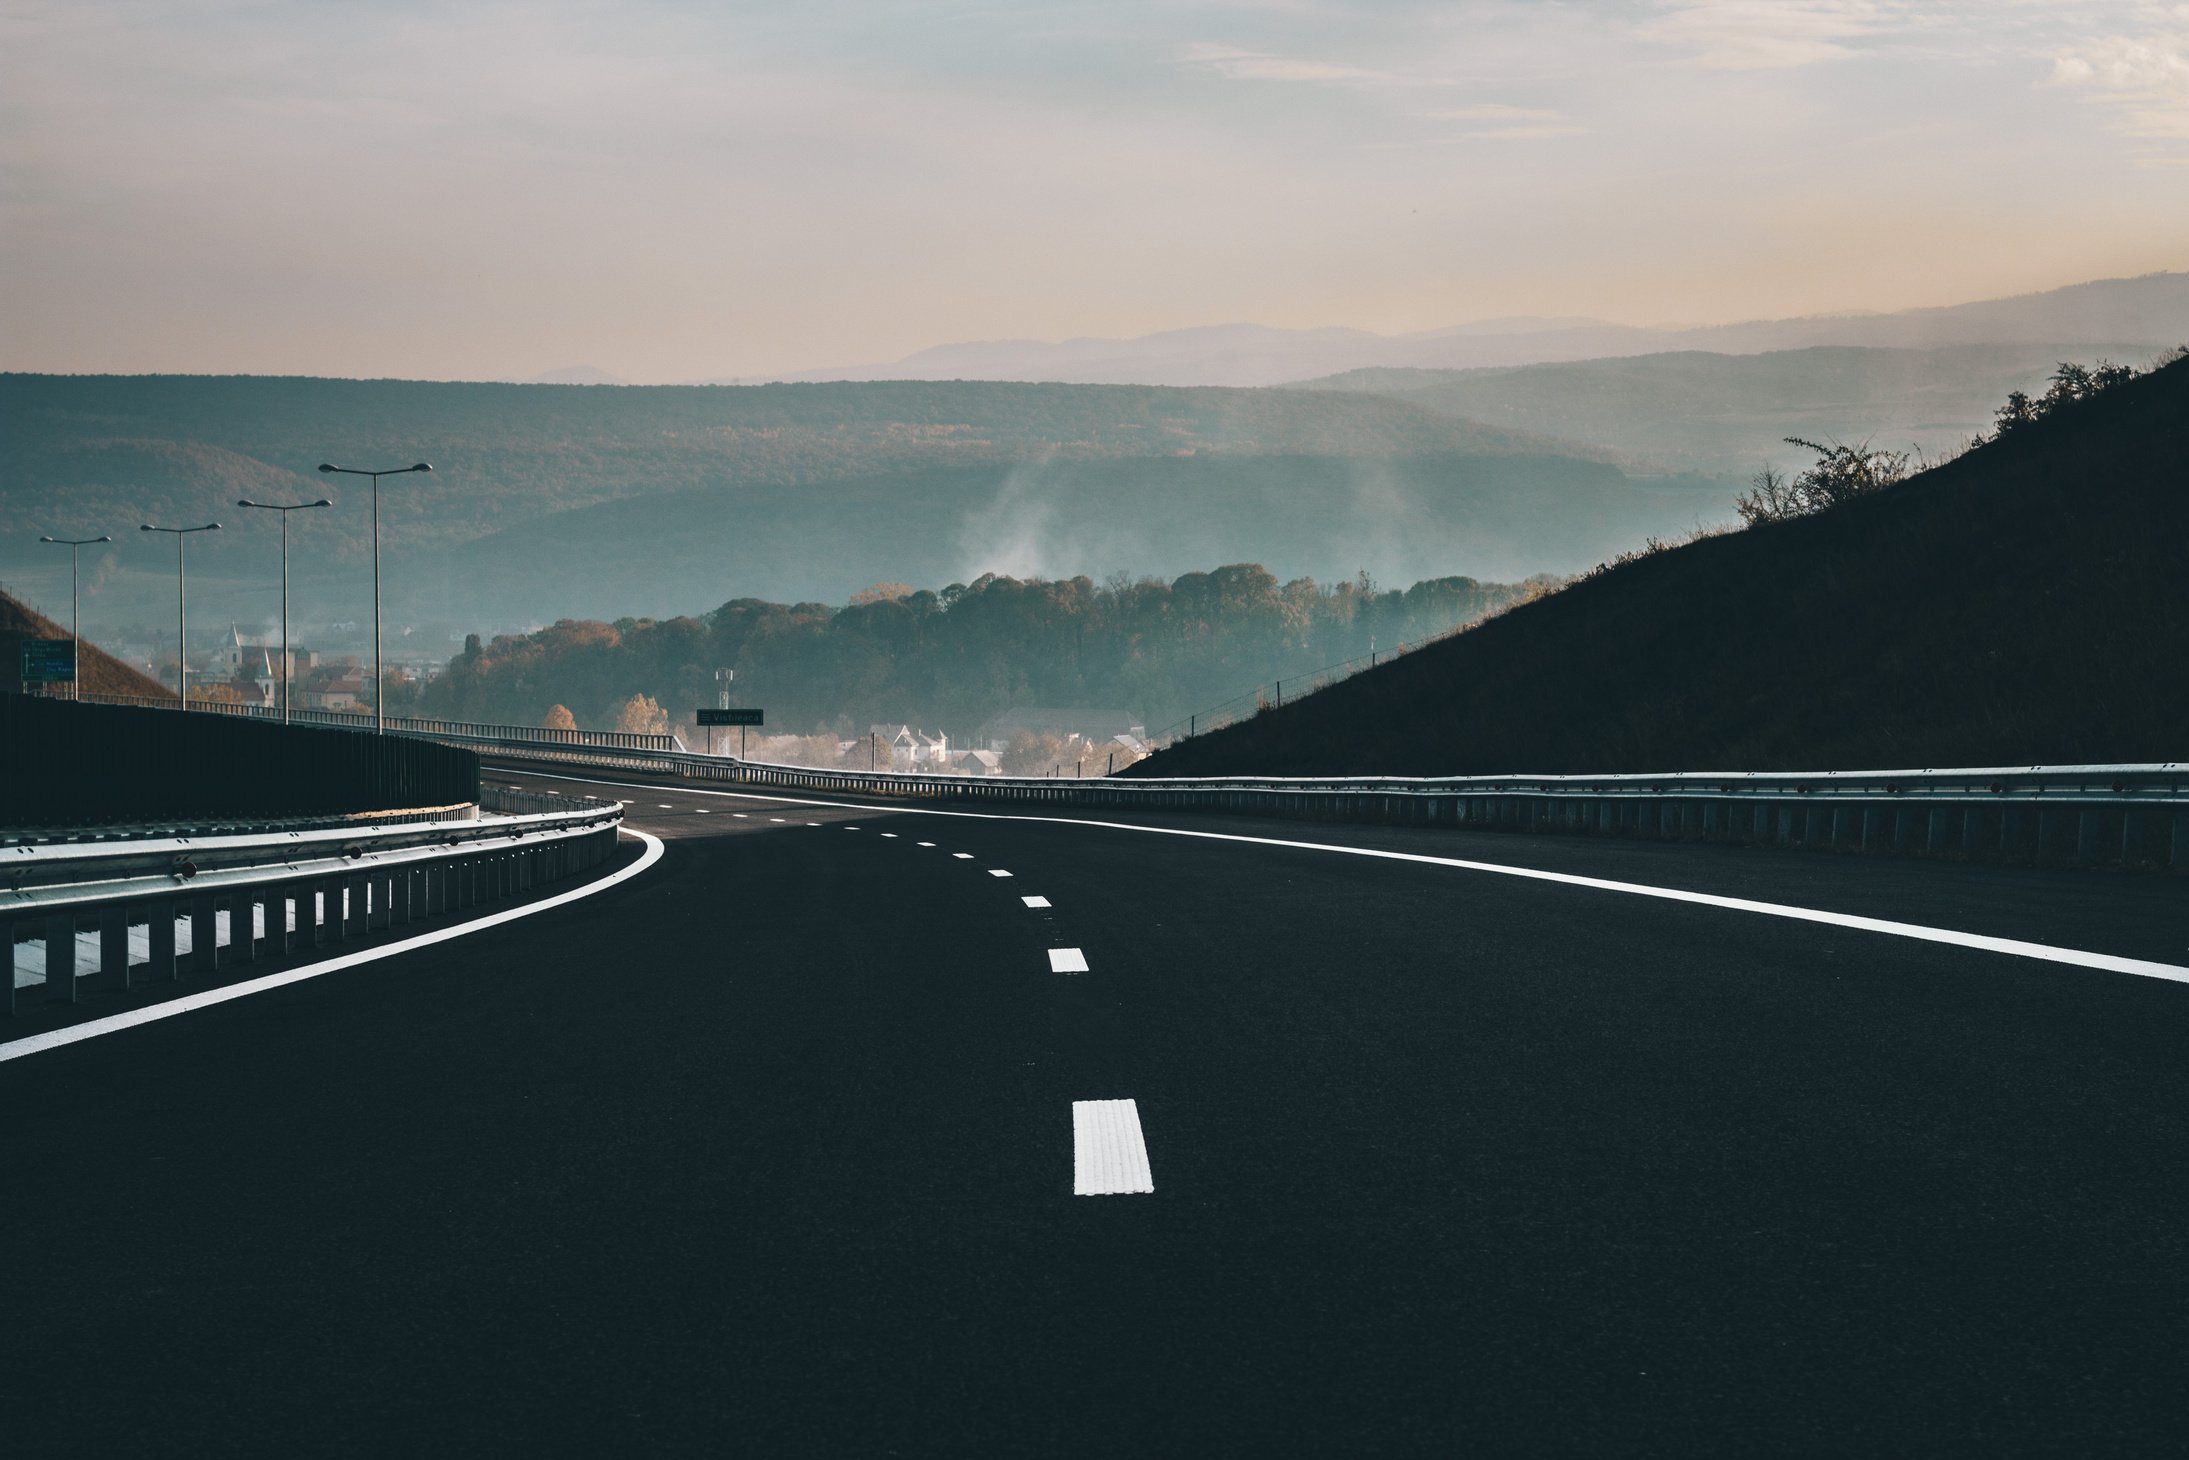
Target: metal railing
{"x": 2134, "y": 816}
{"x": 112, "y": 914}
{"x": 2090, "y": 815}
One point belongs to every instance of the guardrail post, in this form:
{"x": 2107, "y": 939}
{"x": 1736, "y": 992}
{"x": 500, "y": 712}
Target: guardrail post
{"x": 315, "y": 900}
{"x": 114, "y": 945}
{"x": 376, "y": 910}
{"x": 204, "y": 934}
{"x": 2132, "y": 835}
{"x": 2045, "y": 836}
{"x": 160, "y": 940}
{"x": 60, "y": 958}
{"x": 2087, "y": 830}
{"x": 243, "y": 925}
{"x": 354, "y": 905}
{"x": 400, "y": 886}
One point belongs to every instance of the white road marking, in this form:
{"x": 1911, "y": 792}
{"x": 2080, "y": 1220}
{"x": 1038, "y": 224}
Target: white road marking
{"x": 963, "y": 856}
{"x": 779, "y": 821}
{"x": 1067, "y": 960}
{"x": 701, "y": 810}
{"x": 113, "y": 1023}
{"x": 738, "y": 814}
{"x": 1035, "y": 901}
{"x": 889, "y": 835}
{"x": 1982, "y": 942}
{"x": 1109, "y": 1154}
{"x": 997, "y": 872}
{"x": 851, "y": 828}
{"x": 667, "y": 807}
{"x": 927, "y": 844}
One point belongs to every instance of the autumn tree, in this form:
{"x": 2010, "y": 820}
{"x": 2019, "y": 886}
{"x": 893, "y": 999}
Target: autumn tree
{"x": 642, "y": 716}
{"x": 558, "y": 717}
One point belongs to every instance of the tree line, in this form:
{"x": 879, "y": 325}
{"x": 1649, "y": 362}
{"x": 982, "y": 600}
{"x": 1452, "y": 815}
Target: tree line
{"x": 951, "y": 659}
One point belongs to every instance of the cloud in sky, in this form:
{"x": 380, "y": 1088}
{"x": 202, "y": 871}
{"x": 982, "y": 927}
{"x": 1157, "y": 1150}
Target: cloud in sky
{"x": 2144, "y": 76}
{"x": 670, "y": 191}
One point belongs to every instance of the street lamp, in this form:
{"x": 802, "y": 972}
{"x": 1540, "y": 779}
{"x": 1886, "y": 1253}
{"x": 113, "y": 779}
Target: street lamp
{"x": 288, "y": 665}
{"x": 379, "y": 685}
{"x": 182, "y": 621}
{"x": 75, "y": 632}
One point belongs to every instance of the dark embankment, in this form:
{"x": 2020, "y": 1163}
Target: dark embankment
{"x": 2027, "y": 603}
{"x": 103, "y": 673}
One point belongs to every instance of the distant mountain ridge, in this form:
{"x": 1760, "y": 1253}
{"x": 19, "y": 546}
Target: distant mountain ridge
{"x": 1729, "y": 415}
{"x": 2151, "y": 311}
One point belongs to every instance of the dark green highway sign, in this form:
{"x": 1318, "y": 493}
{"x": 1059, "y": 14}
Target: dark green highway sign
{"x": 729, "y": 717}
{"x": 53, "y": 661}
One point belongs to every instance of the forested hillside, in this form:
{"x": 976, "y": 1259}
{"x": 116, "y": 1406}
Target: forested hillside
{"x": 2021, "y": 604}
{"x": 169, "y": 444}
{"x": 550, "y": 501}
{"x": 953, "y": 659}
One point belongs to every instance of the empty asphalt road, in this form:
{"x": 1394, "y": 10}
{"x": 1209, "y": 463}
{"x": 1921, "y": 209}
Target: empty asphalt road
{"x": 823, "y": 1135}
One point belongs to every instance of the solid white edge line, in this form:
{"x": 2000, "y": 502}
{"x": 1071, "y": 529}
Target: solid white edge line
{"x": 2012, "y": 947}
{"x": 113, "y": 1023}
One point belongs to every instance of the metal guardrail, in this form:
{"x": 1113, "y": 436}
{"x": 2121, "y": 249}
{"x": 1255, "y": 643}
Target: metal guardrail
{"x": 2134, "y": 816}
{"x": 408, "y": 725}
{"x": 281, "y": 892}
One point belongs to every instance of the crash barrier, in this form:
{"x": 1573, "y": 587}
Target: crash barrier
{"x": 69, "y": 764}
{"x": 2128, "y": 816}
{"x": 403, "y": 724}
{"x": 80, "y": 918}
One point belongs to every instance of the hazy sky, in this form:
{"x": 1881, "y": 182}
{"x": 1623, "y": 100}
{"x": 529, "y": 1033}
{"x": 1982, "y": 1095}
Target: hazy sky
{"x": 678, "y": 190}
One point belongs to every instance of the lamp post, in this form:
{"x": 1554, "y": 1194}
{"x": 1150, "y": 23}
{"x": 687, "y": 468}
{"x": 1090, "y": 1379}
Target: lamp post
{"x": 379, "y": 684}
{"x": 75, "y": 630}
{"x": 288, "y": 665}
{"x": 182, "y": 620}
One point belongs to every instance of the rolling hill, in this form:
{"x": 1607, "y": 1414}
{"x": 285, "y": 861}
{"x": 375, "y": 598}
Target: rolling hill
{"x": 2022, "y": 604}
{"x": 552, "y": 499}
{"x": 2148, "y": 313}
{"x": 1729, "y": 415}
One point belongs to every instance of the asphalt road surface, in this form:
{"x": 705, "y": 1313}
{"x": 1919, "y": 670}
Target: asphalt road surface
{"x": 771, "y": 1149}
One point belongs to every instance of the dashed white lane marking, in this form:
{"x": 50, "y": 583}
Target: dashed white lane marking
{"x": 738, "y": 814}
{"x": 1035, "y": 901}
{"x": 889, "y": 836}
{"x": 851, "y": 828}
{"x": 1982, "y": 942}
{"x": 701, "y": 810}
{"x": 1109, "y": 1154}
{"x": 778, "y": 821}
{"x": 927, "y": 844}
{"x": 963, "y": 856}
{"x": 1067, "y": 960}
{"x": 667, "y": 807}
{"x": 997, "y": 872}
{"x": 113, "y": 1023}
